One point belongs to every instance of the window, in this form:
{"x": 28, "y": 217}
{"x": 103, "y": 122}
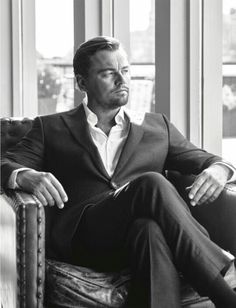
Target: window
{"x": 229, "y": 80}
{"x": 142, "y": 54}
{"x": 54, "y": 48}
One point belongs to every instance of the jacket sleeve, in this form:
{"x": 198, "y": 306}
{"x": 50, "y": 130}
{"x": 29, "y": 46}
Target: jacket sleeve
{"x": 29, "y": 152}
{"x": 185, "y": 157}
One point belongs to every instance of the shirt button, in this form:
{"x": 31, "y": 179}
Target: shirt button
{"x": 114, "y": 185}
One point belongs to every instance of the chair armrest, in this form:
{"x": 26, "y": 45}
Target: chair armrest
{"x": 24, "y": 215}
{"x": 217, "y": 217}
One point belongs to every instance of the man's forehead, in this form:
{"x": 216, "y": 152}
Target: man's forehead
{"x": 109, "y": 58}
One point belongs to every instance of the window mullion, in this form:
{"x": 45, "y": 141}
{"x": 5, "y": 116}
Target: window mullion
{"x": 17, "y": 82}
{"x": 28, "y": 63}
{"x": 212, "y": 76}
{"x": 107, "y": 17}
{"x": 121, "y": 24}
{"x": 195, "y": 72}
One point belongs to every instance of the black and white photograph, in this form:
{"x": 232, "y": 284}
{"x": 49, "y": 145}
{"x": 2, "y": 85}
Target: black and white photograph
{"x": 118, "y": 154}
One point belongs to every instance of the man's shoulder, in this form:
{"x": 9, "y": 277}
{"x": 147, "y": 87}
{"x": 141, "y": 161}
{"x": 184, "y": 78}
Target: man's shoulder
{"x": 59, "y": 115}
{"x": 146, "y": 118}
{"x": 155, "y": 117}
{"x": 58, "y": 121}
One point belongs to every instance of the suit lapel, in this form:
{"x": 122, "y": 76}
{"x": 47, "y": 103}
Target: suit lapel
{"x": 78, "y": 126}
{"x": 134, "y": 137}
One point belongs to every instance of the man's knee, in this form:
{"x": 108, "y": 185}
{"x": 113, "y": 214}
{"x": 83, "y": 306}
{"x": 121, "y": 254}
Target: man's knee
{"x": 153, "y": 192}
{"x": 151, "y": 180}
{"x": 151, "y": 183}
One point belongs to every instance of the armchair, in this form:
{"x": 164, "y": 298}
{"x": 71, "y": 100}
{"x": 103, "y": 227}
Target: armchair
{"x": 25, "y": 272}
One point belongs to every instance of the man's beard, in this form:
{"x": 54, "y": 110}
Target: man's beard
{"x": 120, "y": 101}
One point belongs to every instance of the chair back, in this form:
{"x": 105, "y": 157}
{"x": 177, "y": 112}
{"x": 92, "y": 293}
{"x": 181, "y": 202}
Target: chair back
{"x": 12, "y": 130}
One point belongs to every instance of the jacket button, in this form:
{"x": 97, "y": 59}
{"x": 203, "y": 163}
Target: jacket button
{"x": 114, "y": 185}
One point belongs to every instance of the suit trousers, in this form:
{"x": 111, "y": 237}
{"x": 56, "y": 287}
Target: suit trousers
{"x": 147, "y": 226}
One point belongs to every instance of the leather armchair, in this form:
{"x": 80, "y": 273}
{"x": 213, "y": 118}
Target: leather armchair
{"x": 22, "y": 250}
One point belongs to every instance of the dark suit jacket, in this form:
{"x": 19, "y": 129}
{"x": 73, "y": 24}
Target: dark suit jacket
{"x": 61, "y": 144}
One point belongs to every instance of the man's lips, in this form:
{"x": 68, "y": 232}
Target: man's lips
{"x": 124, "y": 89}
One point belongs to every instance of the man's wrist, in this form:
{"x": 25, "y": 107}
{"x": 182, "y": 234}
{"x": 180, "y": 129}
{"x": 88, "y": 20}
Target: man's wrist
{"x": 231, "y": 171}
{"x": 12, "y": 182}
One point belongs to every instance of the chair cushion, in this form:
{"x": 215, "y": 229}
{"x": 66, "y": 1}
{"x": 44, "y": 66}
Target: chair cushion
{"x": 75, "y": 286}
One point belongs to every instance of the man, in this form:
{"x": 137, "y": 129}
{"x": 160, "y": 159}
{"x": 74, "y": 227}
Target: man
{"x": 102, "y": 167}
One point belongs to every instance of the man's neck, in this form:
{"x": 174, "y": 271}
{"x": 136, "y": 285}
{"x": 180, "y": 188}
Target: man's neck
{"x": 106, "y": 122}
{"x": 106, "y": 119}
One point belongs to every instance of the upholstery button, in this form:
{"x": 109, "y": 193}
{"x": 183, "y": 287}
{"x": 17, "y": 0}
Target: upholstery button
{"x": 114, "y": 185}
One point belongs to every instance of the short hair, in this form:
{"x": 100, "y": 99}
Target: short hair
{"x": 81, "y": 61}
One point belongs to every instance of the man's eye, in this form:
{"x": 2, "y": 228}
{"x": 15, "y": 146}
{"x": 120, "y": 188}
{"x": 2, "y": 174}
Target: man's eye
{"x": 108, "y": 74}
{"x": 125, "y": 71}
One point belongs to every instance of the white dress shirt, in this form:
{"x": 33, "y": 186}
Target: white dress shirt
{"x": 109, "y": 147}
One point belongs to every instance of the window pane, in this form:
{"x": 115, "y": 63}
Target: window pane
{"x": 54, "y": 45}
{"x": 142, "y": 54}
{"x": 229, "y": 81}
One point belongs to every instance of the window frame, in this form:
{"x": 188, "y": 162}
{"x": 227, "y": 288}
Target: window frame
{"x": 212, "y": 111}
{"x": 172, "y": 63}
{"x": 189, "y": 75}
{"x": 24, "y": 78}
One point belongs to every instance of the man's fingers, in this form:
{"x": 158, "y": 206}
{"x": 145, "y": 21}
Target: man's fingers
{"x": 55, "y": 195}
{"x": 59, "y": 188}
{"x": 207, "y": 195}
{"x": 213, "y": 197}
{"x": 216, "y": 194}
{"x": 41, "y": 198}
{"x": 201, "y": 192}
{"x": 56, "y": 190}
{"x": 197, "y": 185}
{"x": 47, "y": 195}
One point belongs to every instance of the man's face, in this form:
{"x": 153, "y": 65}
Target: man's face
{"x": 107, "y": 84}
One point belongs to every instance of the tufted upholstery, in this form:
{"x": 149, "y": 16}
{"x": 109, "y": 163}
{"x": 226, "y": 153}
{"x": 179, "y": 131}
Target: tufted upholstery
{"x": 12, "y": 131}
{"x": 28, "y": 223}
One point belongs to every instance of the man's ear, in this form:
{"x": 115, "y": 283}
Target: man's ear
{"x": 81, "y": 83}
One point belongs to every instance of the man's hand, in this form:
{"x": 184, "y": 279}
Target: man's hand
{"x": 208, "y": 184}
{"x": 44, "y": 186}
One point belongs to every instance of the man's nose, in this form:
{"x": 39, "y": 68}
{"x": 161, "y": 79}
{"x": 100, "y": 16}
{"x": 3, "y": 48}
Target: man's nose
{"x": 120, "y": 78}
